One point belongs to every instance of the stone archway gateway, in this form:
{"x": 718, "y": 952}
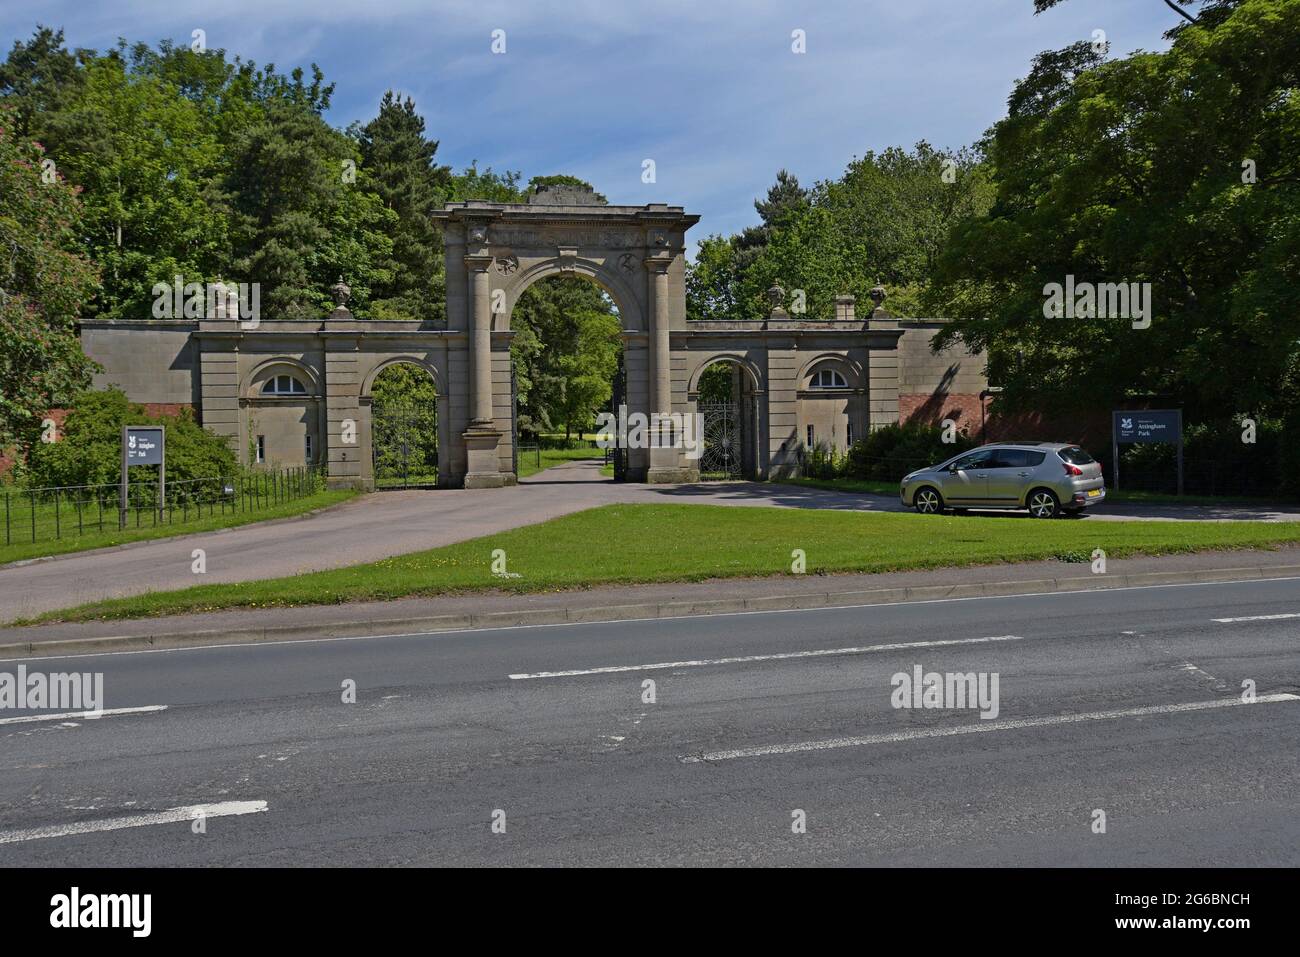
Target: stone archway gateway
{"x": 803, "y": 382}
{"x": 494, "y": 251}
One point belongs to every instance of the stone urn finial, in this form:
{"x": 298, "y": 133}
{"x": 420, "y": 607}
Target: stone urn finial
{"x": 341, "y": 292}
{"x": 878, "y": 295}
{"x": 775, "y": 295}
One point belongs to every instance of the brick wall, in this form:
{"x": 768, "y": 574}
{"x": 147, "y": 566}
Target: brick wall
{"x": 1091, "y": 429}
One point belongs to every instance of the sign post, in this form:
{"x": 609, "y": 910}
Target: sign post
{"x": 142, "y": 445}
{"x": 1147, "y": 427}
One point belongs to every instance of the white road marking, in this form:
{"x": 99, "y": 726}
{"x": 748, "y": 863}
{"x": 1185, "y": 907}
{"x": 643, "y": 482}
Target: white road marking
{"x": 1009, "y": 725}
{"x": 1226, "y": 621}
{"x": 88, "y": 715}
{"x": 449, "y": 633}
{"x": 779, "y": 656}
{"x": 1214, "y": 681}
{"x": 173, "y": 816}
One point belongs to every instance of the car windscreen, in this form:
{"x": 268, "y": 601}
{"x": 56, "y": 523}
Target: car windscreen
{"x": 1076, "y": 456}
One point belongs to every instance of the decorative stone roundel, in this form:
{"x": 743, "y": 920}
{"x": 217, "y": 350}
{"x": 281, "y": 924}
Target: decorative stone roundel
{"x": 627, "y": 263}
{"x": 507, "y": 265}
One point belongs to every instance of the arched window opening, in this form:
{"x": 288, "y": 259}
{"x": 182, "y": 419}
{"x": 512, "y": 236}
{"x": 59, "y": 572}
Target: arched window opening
{"x": 828, "y": 379}
{"x": 283, "y": 385}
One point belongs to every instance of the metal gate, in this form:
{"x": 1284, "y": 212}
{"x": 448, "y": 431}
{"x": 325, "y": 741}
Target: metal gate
{"x": 619, "y": 398}
{"x": 404, "y": 444}
{"x": 721, "y": 457}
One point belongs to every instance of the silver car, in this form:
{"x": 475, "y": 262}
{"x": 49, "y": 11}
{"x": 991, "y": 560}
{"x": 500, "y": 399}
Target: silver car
{"x": 1048, "y": 478}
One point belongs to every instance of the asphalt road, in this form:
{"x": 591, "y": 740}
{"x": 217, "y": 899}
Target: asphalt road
{"x": 1126, "y": 702}
{"x": 379, "y": 526}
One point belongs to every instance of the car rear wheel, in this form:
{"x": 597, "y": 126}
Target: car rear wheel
{"x": 1043, "y": 503}
{"x": 928, "y": 501}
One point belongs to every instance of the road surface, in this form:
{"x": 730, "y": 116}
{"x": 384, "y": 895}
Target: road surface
{"x": 1122, "y": 702}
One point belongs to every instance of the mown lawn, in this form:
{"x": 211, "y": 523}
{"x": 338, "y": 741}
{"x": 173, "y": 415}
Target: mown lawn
{"x": 657, "y": 543}
{"x": 72, "y": 542}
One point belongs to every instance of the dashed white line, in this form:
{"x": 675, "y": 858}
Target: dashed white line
{"x": 1226, "y": 621}
{"x": 1009, "y": 725}
{"x": 86, "y": 715}
{"x": 778, "y": 656}
{"x": 172, "y": 816}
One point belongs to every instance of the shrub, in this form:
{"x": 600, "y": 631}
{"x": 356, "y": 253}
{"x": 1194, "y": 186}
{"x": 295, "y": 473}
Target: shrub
{"x": 823, "y": 462}
{"x": 890, "y": 452}
{"x": 1215, "y": 461}
{"x": 89, "y": 449}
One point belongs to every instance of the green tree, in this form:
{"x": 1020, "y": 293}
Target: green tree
{"x": 39, "y": 80}
{"x": 298, "y": 221}
{"x": 556, "y": 340}
{"x": 487, "y": 185}
{"x": 406, "y": 422}
{"x": 886, "y": 219}
{"x": 1174, "y": 169}
{"x": 399, "y": 159}
{"x": 588, "y": 371}
{"x": 46, "y": 282}
{"x": 141, "y": 155}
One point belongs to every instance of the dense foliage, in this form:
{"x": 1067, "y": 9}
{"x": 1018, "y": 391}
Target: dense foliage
{"x": 46, "y": 279}
{"x": 89, "y": 449}
{"x": 885, "y": 220}
{"x": 566, "y": 350}
{"x": 1175, "y": 169}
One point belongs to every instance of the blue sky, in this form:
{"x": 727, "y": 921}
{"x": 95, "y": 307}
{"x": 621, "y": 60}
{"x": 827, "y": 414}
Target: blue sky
{"x": 708, "y": 89}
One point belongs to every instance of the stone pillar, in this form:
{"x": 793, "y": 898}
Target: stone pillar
{"x": 482, "y": 438}
{"x": 661, "y": 399}
{"x": 481, "y": 341}
{"x": 663, "y": 461}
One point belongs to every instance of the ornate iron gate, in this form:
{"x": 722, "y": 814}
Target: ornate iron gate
{"x": 618, "y": 399}
{"x": 404, "y": 444}
{"x": 721, "y": 457}
{"x": 514, "y": 420}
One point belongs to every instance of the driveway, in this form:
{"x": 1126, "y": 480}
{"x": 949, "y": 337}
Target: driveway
{"x": 379, "y": 526}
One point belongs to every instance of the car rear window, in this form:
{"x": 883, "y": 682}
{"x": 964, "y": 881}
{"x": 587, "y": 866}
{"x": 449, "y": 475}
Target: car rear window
{"x": 1076, "y": 456}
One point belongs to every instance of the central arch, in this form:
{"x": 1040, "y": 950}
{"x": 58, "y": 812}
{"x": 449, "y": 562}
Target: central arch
{"x": 568, "y": 343}
{"x": 495, "y": 251}
{"x": 617, "y": 288}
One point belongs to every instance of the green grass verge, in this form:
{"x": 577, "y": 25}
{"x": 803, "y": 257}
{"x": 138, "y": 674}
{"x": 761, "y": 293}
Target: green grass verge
{"x": 660, "y": 543}
{"x": 80, "y": 543}
{"x": 528, "y": 460}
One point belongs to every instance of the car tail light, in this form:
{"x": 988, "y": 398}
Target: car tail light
{"x": 1072, "y": 469}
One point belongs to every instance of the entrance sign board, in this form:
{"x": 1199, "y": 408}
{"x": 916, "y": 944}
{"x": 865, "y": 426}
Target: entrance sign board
{"x": 142, "y": 445}
{"x": 1147, "y": 427}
